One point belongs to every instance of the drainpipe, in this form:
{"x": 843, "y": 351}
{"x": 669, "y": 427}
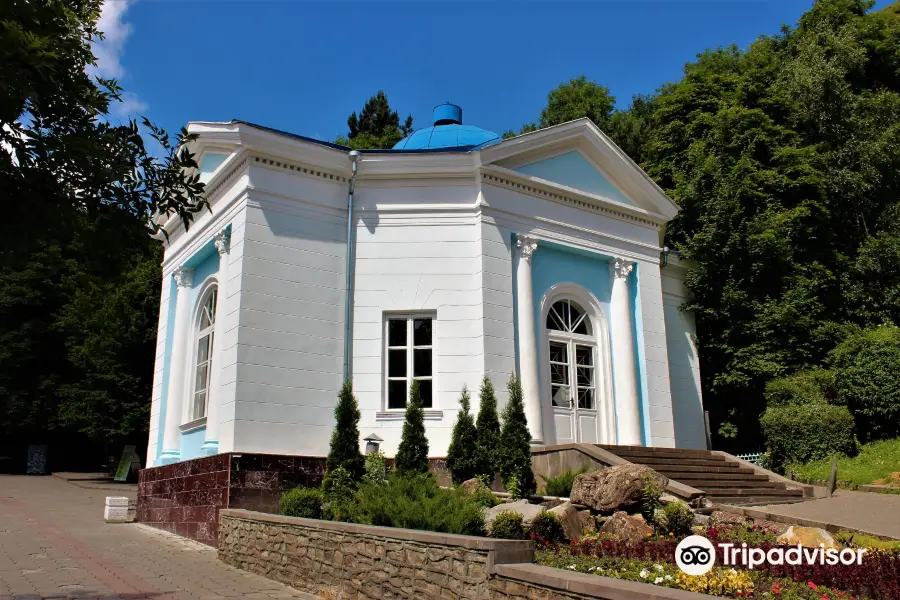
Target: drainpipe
{"x": 348, "y": 297}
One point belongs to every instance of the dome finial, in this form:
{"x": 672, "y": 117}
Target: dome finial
{"x": 447, "y": 114}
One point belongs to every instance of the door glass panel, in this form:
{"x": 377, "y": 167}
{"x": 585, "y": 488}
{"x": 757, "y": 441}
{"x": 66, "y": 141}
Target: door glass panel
{"x": 585, "y": 377}
{"x": 584, "y": 355}
{"x": 558, "y": 352}
{"x": 560, "y": 395}
{"x": 586, "y": 399}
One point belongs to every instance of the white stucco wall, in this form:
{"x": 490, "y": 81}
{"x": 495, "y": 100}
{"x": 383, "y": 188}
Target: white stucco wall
{"x": 417, "y": 250}
{"x": 684, "y": 364}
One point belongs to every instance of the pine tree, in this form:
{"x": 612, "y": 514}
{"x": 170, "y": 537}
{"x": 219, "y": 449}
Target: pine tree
{"x": 412, "y": 455}
{"x": 515, "y": 442}
{"x": 488, "y": 431}
{"x": 345, "y": 439}
{"x": 461, "y": 458}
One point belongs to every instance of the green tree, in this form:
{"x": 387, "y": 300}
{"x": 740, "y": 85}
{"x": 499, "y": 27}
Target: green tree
{"x": 377, "y": 126}
{"x": 488, "y": 431}
{"x": 461, "y": 457}
{"x": 514, "y": 444}
{"x": 412, "y": 455}
{"x": 79, "y": 247}
{"x": 577, "y": 98}
{"x": 344, "y": 451}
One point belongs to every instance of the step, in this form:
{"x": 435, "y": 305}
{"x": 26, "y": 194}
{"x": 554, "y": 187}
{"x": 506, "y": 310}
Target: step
{"x": 705, "y": 484}
{"x": 755, "y": 491}
{"x": 692, "y": 462}
{"x": 624, "y": 451}
{"x": 690, "y": 476}
{"x": 755, "y": 500}
{"x": 667, "y": 469}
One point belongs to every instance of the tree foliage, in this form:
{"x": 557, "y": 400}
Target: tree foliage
{"x": 488, "y": 432}
{"x": 377, "y": 126}
{"x": 79, "y": 275}
{"x": 412, "y": 455}
{"x": 344, "y": 451}
{"x": 514, "y": 444}
{"x": 461, "y": 456}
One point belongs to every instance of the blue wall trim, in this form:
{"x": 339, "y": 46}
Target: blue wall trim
{"x": 205, "y": 262}
{"x": 637, "y": 325}
{"x": 192, "y": 443}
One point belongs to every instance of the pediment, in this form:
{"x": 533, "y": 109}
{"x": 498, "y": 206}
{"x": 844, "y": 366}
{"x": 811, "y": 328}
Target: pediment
{"x": 574, "y": 170}
{"x": 578, "y": 157}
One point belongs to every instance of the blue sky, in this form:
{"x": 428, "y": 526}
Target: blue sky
{"x": 304, "y": 66}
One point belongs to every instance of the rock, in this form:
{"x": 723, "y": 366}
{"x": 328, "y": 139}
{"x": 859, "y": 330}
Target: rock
{"x": 701, "y": 520}
{"x": 472, "y": 485}
{"x": 575, "y": 523}
{"x": 719, "y": 518}
{"x": 807, "y": 536}
{"x": 613, "y": 488}
{"x": 522, "y": 507}
{"x": 667, "y": 498}
{"x": 625, "y": 528}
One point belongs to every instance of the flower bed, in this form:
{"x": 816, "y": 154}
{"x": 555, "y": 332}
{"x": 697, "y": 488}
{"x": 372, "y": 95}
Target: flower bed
{"x": 652, "y": 561}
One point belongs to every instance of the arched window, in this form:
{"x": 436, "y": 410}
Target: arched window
{"x": 571, "y": 356}
{"x": 206, "y": 325}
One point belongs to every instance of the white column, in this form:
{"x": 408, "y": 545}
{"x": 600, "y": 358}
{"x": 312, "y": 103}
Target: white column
{"x": 628, "y": 410}
{"x": 211, "y": 443}
{"x": 528, "y": 359}
{"x": 177, "y": 366}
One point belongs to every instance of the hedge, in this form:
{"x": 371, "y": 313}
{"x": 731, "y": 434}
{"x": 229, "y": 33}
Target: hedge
{"x": 800, "y": 433}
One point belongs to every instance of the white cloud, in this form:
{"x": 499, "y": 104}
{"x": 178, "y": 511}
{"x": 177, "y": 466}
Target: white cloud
{"x": 109, "y": 53}
{"x": 115, "y": 33}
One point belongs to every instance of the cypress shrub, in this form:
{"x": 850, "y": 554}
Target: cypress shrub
{"x": 800, "y": 433}
{"x": 515, "y": 442}
{"x": 412, "y": 455}
{"x": 344, "y": 450}
{"x": 487, "y": 431}
{"x": 461, "y": 458}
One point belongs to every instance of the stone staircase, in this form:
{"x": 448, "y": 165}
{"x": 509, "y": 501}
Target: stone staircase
{"x": 722, "y": 479}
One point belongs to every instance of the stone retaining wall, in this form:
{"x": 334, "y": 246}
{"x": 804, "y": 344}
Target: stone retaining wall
{"x": 361, "y": 562}
{"x": 345, "y": 560}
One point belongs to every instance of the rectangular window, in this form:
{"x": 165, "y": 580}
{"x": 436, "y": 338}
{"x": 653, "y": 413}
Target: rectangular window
{"x": 409, "y": 356}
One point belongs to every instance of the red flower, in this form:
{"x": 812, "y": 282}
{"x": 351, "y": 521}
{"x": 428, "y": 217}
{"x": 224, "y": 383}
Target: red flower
{"x": 811, "y": 585}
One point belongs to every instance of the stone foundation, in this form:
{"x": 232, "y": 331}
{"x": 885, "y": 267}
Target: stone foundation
{"x": 186, "y": 497}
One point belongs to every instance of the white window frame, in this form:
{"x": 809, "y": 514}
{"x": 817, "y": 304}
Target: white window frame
{"x": 410, "y": 348}
{"x": 191, "y": 418}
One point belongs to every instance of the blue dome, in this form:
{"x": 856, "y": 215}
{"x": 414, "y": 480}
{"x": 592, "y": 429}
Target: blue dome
{"x": 447, "y": 132}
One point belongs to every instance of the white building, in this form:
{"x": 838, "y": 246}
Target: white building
{"x": 539, "y": 255}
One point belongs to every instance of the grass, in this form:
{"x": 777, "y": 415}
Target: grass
{"x": 876, "y": 463}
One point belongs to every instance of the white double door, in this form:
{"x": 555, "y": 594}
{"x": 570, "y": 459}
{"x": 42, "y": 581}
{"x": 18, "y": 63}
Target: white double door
{"x": 573, "y": 386}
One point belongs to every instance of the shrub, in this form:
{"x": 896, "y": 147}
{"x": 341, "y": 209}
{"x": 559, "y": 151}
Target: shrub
{"x": 867, "y": 376}
{"x": 508, "y": 526}
{"x": 417, "y": 502}
{"x": 812, "y": 386}
{"x": 461, "y": 457}
{"x": 515, "y": 442}
{"x": 338, "y": 490}
{"x": 301, "y": 502}
{"x": 678, "y": 518}
{"x": 800, "y": 433}
{"x": 741, "y": 533}
{"x": 344, "y": 451}
{"x": 561, "y": 485}
{"x": 376, "y": 468}
{"x": 650, "y": 498}
{"x": 487, "y": 431}
{"x": 546, "y": 527}
{"x": 412, "y": 455}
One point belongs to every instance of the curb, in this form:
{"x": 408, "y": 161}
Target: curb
{"x": 833, "y": 528}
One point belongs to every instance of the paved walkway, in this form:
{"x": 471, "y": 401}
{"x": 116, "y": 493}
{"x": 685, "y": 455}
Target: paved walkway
{"x": 864, "y": 511}
{"x": 54, "y": 544}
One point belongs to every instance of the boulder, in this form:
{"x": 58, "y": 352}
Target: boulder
{"x": 720, "y": 518}
{"x": 625, "y": 528}
{"x": 472, "y": 485}
{"x": 807, "y": 536}
{"x": 522, "y": 507}
{"x": 613, "y": 488}
{"x": 575, "y": 523}
{"x": 702, "y": 520}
